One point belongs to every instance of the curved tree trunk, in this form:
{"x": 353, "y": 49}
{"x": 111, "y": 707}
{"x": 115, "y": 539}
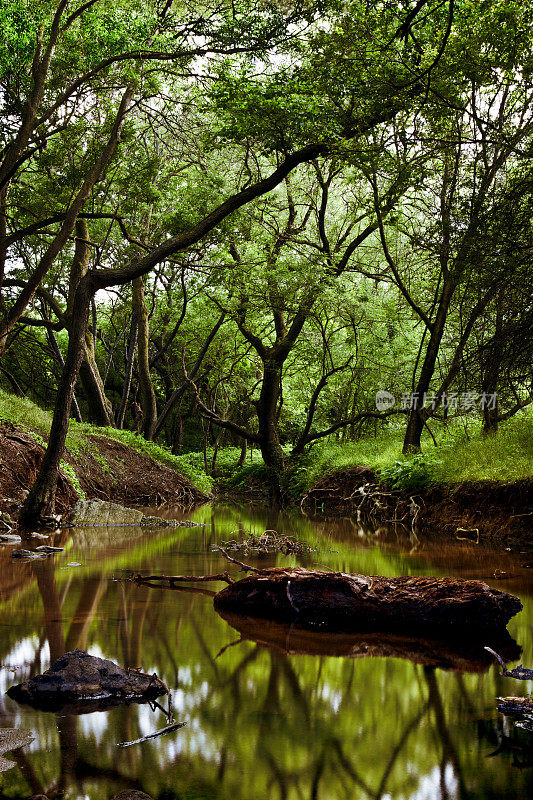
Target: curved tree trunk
{"x": 100, "y": 410}
{"x": 491, "y": 374}
{"x": 148, "y": 401}
{"x": 40, "y": 501}
{"x": 419, "y": 414}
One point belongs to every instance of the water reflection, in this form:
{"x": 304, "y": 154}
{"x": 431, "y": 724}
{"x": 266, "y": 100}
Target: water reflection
{"x": 269, "y": 714}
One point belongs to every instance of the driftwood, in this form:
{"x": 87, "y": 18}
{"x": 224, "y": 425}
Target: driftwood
{"x": 516, "y": 706}
{"x": 343, "y": 602}
{"x": 450, "y": 653}
{"x": 155, "y": 735}
{"x": 520, "y": 672}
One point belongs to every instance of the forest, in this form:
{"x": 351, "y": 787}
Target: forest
{"x": 253, "y": 230}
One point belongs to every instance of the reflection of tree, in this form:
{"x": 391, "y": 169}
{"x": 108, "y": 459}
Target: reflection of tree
{"x": 262, "y": 723}
{"x": 449, "y": 752}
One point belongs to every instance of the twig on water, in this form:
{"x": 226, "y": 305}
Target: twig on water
{"x": 221, "y": 576}
{"x": 155, "y": 735}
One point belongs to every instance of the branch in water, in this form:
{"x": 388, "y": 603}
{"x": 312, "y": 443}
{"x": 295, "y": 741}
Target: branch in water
{"x": 161, "y": 732}
{"x": 244, "y": 567}
{"x": 520, "y": 672}
{"x": 221, "y": 576}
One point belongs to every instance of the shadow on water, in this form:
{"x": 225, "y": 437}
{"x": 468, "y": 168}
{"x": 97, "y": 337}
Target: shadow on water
{"x": 272, "y": 711}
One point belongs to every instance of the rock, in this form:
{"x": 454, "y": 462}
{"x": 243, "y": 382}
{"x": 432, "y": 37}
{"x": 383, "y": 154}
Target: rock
{"x": 342, "y": 602}
{"x": 10, "y": 538}
{"x": 89, "y": 513}
{"x": 132, "y": 794}
{"x": 28, "y": 554}
{"x": 158, "y": 522}
{"x": 84, "y": 683}
{"x": 6, "y": 523}
{"x": 48, "y": 549}
{"x": 12, "y": 739}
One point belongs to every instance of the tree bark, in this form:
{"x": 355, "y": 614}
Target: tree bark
{"x": 148, "y": 400}
{"x": 491, "y": 374}
{"x": 418, "y": 415}
{"x": 132, "y": 344}
{"x": 40, "y": 501}
{"x": 267, "y": 417}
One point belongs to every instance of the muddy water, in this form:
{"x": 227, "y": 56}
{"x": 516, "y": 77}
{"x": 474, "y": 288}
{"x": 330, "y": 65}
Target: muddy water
{"x": 270, "y": 712}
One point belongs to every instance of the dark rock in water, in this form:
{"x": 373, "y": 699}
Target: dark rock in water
{"x": 86, "y": 683}
{"x": 342, "y": 602}
{"x": 132, "y": 794}
{"x": 27, "y": 554}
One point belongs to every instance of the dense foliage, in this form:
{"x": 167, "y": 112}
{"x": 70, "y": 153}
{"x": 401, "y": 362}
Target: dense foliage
{"x": 238, "y": 223}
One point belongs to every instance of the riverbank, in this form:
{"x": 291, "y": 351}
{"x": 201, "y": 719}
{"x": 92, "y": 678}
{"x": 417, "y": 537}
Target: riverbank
{"x": 477, "y": 511}
{"x": 466, "y": 486}
{"x": 101, "y": 463}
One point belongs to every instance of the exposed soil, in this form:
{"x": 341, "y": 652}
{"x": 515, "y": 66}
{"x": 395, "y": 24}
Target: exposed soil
{"x": 112, "y": 471}
{"x": 478, "y": 511}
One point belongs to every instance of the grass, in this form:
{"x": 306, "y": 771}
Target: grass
{"x": 34, "y": 419}
{"x": 460, "y": 455}
{"x": 156, "y": 451}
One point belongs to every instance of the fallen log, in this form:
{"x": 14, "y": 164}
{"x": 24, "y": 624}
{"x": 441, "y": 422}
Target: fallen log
{"x": 459, "y": 655}
{"x": 342, "y": 602}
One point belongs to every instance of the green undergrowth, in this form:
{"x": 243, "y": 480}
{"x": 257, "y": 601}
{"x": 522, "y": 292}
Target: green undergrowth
{"x": 226, "y": 463}
{"x": 22, "y": 412}
{"x": 459, "y": 456}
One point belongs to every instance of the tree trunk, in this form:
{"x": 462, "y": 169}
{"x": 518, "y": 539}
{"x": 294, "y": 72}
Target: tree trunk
{"x": 267, "y": 408}
{"x": 132, "y": 344}
{"x": 61, "y": 361}
{"x": 418, "y": 415}
{"x": 491, "y": 375}
{"x": 148, "y": 400}
{"x": 40, "y": 502}
{"x": 99, "y": 407}
{"x": 100, "y": 412}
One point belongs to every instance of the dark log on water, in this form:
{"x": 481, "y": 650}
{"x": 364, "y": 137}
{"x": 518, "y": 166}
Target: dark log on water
{"x": 461, "y": 655}
{"x": 343, "y": 602}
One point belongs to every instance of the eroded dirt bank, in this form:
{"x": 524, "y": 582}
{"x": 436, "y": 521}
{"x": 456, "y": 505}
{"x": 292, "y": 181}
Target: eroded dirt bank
{"x": 484, "y": 510}
{"x": 107, "y": 470}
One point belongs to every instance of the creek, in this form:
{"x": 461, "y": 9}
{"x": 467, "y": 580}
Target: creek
{"x": 272, "y": 713}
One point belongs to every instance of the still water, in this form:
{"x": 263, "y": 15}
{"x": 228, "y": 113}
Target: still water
{"x": 270, "y": 713}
